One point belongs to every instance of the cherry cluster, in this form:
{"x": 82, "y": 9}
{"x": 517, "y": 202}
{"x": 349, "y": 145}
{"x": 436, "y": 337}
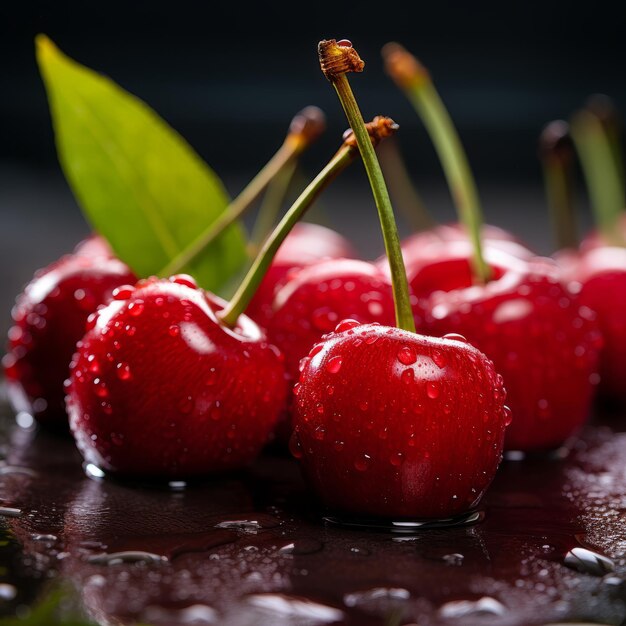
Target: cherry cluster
{"x": 384, "y": 420}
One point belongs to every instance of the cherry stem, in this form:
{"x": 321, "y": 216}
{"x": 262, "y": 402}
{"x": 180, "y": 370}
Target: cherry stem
{"x": 605, "y": 110}
{"x": 239, "y": 302}
{"x": 557, "y": 156}
{"x": 413, "y": 78}
{"x": 272, "y": 202}
{"x": 402, "y": 189}
{"x": 305, "y": 127}
{"x": 377, "y": 130}
{"x": 337, "y": 58}
{"x": 601, "y": 173}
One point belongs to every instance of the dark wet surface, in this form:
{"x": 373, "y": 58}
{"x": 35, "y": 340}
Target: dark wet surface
{"x": 253, "y": 549}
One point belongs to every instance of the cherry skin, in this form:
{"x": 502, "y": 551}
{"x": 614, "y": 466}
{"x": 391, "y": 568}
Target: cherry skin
{"x": 542, "y": 341}
{"x": 159, "y": 387}
{"x": 391, "y": 423}
{"x": 49, "y": 319}
{"x": 599, "y": 279}
{"x": 319, "y": 296}
{"x": 306, "y": 244}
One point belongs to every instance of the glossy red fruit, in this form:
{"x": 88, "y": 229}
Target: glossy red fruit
{"x": 599, "y": 278}
{"x": 306, "y": 244}
{"x": 94, "y": 246}
{"x": 542, "y": 341}
{"x": 595, "y": 239}
{"x": 319, "y": 296}
{"x": 390, "y": 423}
{"x": 49, "y": 318}
{"x": 419, "y": 249}
{"x": 159, "y": 387}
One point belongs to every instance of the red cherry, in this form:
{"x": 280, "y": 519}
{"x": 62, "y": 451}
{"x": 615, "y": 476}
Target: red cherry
{"x": 159, "y": 387}
{"x": 542, "y": 341}
{"x": 49, "y": 318}
{"x": 306, "y": 244}
{"x": 414, "y": 425}
{"x": 319, "y": 296}
{"x": 94, "y": 246}
{"x": 600, "y": 281}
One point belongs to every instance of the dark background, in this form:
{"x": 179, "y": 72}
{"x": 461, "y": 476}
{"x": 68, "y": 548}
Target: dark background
{"x": 229, "y": 77}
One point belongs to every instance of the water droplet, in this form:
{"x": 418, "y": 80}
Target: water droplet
{"x": 588, "y": 562}
{"x": 197, "y": 614}
{"x": 7, "y": 592}
{"x": 432, "y": 390}
{"x": 127, "y": 556}
{"x": 186, "y": 405}
{"x": 101, "y": 389}
{"x": 302, "y": 546}
{"x": 136, "y": 308}
{"x": 334, "y": 364}
{"x": 508, "y": 415}
{"x": 8, "y": 511}
{"x": 211, "y": 379}
{"x": 249, "y": 526}
{"x": 123, "y": 371}
{"x": 295, "y": 609}
{"x": 295, "y": 447}
{"x": 467, "y": 608}
{"x": 396, "y": 459}
{"x": 407, "y": 355}
{"x": 117, "y": 439}
{"x": 455, "y": 337}
{"x": 362, "y": 463}
{"x": 376, "y": 595}
{"x": 439, "y": 359}
{"x": 346, "y": 325}
{"x": 407, "y": 376}
{"x": 44, "y": 538}
{"x": 320, "y": 433}
{"x": 453, "y": 559}
{"x": 173, "y": 330}
{"x": 363, "y": 405}
{"x": 339, "y": 445}
{"x": 123, "y": 293}
{"x": 184, "y": 279}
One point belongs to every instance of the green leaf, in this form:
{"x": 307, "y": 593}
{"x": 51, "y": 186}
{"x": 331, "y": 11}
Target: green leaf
{"x": 139, "y": 183}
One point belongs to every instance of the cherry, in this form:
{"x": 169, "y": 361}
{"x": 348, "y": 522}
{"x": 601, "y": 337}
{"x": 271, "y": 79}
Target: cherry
{"x": 49, "y": 318}
{"x": 541, "y": 339}
{"x": 319, "y": 296}
{"x": 306, "y": 244}
{"x": 160, "y": 387}
{"x": 599, "y": 279}
{"x": 387, "y": 422}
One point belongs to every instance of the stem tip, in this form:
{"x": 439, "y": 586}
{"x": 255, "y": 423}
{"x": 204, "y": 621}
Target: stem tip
{"x": 555, "y": 142}
{"x": 338, "y": 57}
{"x": 402, "y": 66}
{"x": 379, "y": 128}
{"x": 307, "y": 125}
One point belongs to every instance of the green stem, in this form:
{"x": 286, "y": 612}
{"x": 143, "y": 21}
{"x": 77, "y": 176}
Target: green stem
{"x": 605, "y": 110}
{"x": 404, "y": 193}
{"x": 272, "y": 202}
{"x": 247, "y": 289}
{"x": 556, "y": 159}
{"x": 404, "y": 314}
{"x": 283, "y": 158}
{"x": 436, "y": 118}
{"x": 600, "y": 172}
